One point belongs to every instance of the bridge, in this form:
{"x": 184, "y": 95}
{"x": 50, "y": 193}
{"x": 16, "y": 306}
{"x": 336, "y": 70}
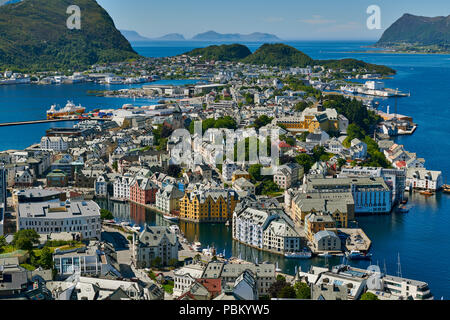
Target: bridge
{"x": 21, "y": 123}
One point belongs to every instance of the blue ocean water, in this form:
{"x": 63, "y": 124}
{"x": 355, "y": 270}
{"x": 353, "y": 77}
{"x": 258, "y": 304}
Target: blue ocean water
{"x": 420, "y": 237}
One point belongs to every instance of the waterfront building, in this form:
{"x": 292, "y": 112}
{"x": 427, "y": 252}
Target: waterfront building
{"x": 208, "y": 206}
{"x": 101, "y": 186}
{"x": 265, "y": 228}
{"x": 421, "y": 178}
{"x": 394, "y": 178}
{"x": 168, "y": 199}
{"x": 371, "y": 195}
{"x": 54, "y": 217}
{"x": 58, "y": 144}
{"x": 122, "y": 186}
{"x": 317, "y": 221}
{"x": 185, "y": 277}
{"x": 143, "y": 190}
{"x": 326, "y": 240}
{"x": 154, "y": 242}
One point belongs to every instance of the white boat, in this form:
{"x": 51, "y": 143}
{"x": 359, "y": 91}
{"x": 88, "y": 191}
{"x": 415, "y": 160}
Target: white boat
{"x": 170, "y": 218}
{"x": 277, "y": 269}
{"x": 298, "y": 255}
{"x": 197, "y": 246}
{"x": 125, "y": 224}
{"x": 136, "y": 228}
{"x": 209, "y": 251}
{"x": 325, "y": 255}
{"x": 175, "y": 229}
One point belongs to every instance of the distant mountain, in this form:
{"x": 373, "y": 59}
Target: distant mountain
{"x": 281, "y": 55}
{"x": 34, "y": 36}
{"x": 256, "y": 36}
{"x": 417, "y": 30}
{"x": 231, "y": 52}
{"x": 172, "y": 37}
{"x": 132, "y": 36}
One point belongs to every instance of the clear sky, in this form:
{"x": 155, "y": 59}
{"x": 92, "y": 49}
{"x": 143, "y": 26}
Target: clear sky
{"x": 288, "y": 19}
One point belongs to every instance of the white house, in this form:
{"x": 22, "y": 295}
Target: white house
{"x": 58, "y": 144}
{"x": 122, "y": 187}
{"x": 421, "y": 178}
{"x": 185, "y": 277}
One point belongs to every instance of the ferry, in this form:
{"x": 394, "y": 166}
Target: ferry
{"x": 69, "y": 109}
{"x": 298, "y": 255}
{"x": 358, "y": 255}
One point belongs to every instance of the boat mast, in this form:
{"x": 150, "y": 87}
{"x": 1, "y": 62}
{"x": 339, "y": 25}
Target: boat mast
{"x": 399, "y": 271}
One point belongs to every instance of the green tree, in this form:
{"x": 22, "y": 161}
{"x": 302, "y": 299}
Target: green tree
{"x": 3, "y": 243}
{"x": 46, "y": 259}
{"x": 276, "y": 287}
{"x": 368, "y": 296}
{"x": 106, "y": 214}
{"x": 287, "y": 292}
{"x": 115, "y": 166}
{"x": 305, "y": 160}
{"x": 156, "y": 263}
{"x": 173, "y": 262}
{"x": 255, "y": 172}
{"x": 174, "y": 170}
{"x": 25, "y": 239}
{"x": 303, "y": 291}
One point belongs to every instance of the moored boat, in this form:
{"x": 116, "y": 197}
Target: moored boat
{"x": 402, "y": 209}
{"x": 298, "y": 255}
{"x": 170, "y": 218}
{"x": 358, "y": 255}
{"x": 426, "y": 192}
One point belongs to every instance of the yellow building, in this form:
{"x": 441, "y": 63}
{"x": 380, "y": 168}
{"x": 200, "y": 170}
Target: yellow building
{"x": 311, "y": 119}
{"x": 208, "y": 206}
{"x": 315, "y": 222}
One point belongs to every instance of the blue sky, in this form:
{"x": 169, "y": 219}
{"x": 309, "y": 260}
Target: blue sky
{"x": 288, "y": 19}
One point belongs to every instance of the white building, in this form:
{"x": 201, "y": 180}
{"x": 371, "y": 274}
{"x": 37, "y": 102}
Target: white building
{"x": 185, "y": 277}
{"x": 101, "y": 186}
{"x": 421, "y": 178}
{"x": 227, "y": 170}
{"x": 58, "y": 144}
{"x": 167, "y": 199}
{"x": 122, "y": 186}
{"x": 55, "y": 217}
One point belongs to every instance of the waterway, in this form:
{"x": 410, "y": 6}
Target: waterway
{"x": 420, "y": 237}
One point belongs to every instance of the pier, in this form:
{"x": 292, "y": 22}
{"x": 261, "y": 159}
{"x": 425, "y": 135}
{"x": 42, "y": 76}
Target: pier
{"x": 21, "y": 123}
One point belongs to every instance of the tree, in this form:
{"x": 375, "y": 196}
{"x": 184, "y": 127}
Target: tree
{"x": 255, "y": 172}
{"x": 25, "y": 239}
{"x": 287, "y": 292}
{"x": 46, "y": 259}
{"x": 368, "y": 296}
{"x": 262, "y": 121}
{"x": 156, "y": 263}
{"x": 276, "y": 287}
{"x": 303, "y": 291}
{"x": 305, "y": 160}
{"x": 115, "y": 166}
{"x": 173, "y": 262}
{"x": 2, "y": 243}
{"x": 106, "y": 214}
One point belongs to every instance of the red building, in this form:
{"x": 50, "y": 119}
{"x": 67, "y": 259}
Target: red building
{"x": 143, "y": 191}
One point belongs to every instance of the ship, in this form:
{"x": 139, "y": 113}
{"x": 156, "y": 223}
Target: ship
{"x": 69, "y": 109}
{"x": 401, "y": 209}
{"x": 298, "y": 255}
{"x": 446, "y": 188}
{"x": 358, "y": 255}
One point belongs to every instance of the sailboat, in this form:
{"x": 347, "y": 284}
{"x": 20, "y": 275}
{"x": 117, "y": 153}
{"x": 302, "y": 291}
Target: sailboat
{"x": 277, "y": 269}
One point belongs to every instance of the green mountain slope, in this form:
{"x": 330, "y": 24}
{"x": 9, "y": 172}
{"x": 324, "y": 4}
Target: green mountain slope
{"x": 416, "y": 30}
{"x": 281, "y": 55}
{"x": 34, "y": 36}
{"x": 225, "y": 52}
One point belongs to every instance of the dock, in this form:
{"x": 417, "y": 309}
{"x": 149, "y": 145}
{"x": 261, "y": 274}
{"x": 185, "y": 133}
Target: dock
{"x": 21, "y": 123}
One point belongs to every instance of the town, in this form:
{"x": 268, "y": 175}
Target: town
{"x": 337, "y": 161}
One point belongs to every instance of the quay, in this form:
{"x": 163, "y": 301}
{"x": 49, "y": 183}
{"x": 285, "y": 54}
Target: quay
{"x": 20, "y": 123}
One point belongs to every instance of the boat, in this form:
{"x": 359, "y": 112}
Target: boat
{"x": 136, "y": 228}
{"x": 211, "y": 252}
{"x": 221, "y": 255}
{"x": 426, "y": 192}
{"x": 446, "y": 188}
{"x": 175, "y": 229}
{"x": 125, "y": 224}
{"x": 298, "y": 255}
{"x": 277, "y": 269}
{"x": 325, "y": 255}
{"x": 197, "y": 246}
{"x": 170, "y": 218}
{"x": 402, "y": 209}
{"x": 69, "y": 109}
{"x": 358, "y": 255}
{"x": 227, "y": 223}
